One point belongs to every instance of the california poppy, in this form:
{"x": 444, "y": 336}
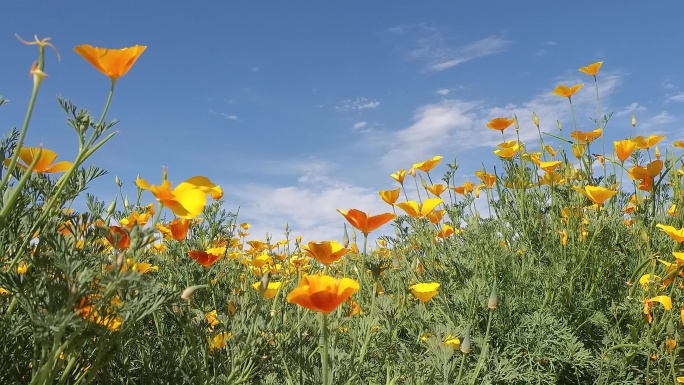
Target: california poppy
{"x": 389, "y": 196}
{"x": 565, "y": 91}
{"x": 271, "y": 289}
{"x": 592, "y": 69}
{"x": 44, "y": 165}
{"x": 676, "y": 234}
{"x": 399, "y": 176}
{"x": 436, "y": 189}
{"x": 364, "y": 222}
{"x": 205, "y": 258}
{"x": 596, "y": 194}
{"x": 424, "y": 291}
{"x": 413, "y": 209}
{"x": 428, "y": 164}
{"x": 646, "y": 143}
{"x": 187, "y": 200}
{"x": 322, "y": 293}
{"x": 325, "y": 252}
{"x": 111, "y": 62}
{"x": 624, "y": 148}
{"x": 118, "y": 237}
{"x": 500, "y": 124}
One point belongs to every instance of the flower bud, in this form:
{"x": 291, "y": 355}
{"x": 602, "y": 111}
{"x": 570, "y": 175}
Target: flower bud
{"x": 111, "y": 208}
{"x": 535, "y": 119}
{"x": 493, "y": 298}
{"x": 187, "y": 293}
{"x": 633, "y": 120}
{"x": 465, "y": 344}
{"x": 118, "y": 181}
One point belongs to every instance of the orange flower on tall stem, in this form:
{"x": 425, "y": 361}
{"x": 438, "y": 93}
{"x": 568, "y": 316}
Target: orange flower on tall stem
{"x": 364, "y": 222}
{"x": 624, "y": 148}
{"x": 322, "y": 293}
{"x": 420, "y": 211}
{"x": 44, "y": 165}
{"x": 114, "y": 63}
{"x": 596, "y": 194}
{"x": 389, "y": 196}
{"x": 592, "y": 69}
{"x": 500, "y": 124}
{"x": 567, "y": 92}
{"x": 207, "y": 258}
{"x": 427, "y": 165}
{"x": 187, "y": 200}
{"x": 325, "y": 252}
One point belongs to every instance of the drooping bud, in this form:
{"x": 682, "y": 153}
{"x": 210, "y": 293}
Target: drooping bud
{"x": 493, "y": 298}
{"x": 187, "y": 293}
{"x": 465, "y": 344}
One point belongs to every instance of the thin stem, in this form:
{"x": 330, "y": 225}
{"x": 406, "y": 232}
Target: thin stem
{"x": 324, "y": 358}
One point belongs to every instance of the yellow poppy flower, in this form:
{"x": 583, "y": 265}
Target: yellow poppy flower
{"x": 322, "y": 293}
{"x": 596, "y": 194}
{"x": 219, "y": 340}
{"x": 486, "y": 178}
{"x": 500, "y": 124}
{"x": 326, "y": 252}
{"x": 436, "y": 189}
{"x": 212, "y": 318}
{"x": 677, "y": 235}
{"x": 428, "y": 164}
{"x": 114, "y": 63}
{"x": 646, "y": 143}
{"x": 587, "y": 136}
{"x": 187, "y": 200}
{"x": 664, "y": 300}
{"x": 399, "y": 176}
{"x": 390, "y": 196}
{"x": 271, "y": 289}
{"x": 44, "y": 165}
{"x": 549, "y": 166}
{"x": 566, "y": 91}
{"x": 592, "y": 69}
{"x": 624, "y": 148}
{"x": 413, "y": 209}
{"x": 424, "y": 291}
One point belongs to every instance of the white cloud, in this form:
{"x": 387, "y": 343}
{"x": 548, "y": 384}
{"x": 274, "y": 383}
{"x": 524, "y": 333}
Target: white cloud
{"x": 676, "y": 98}
{"x": 443, "y": 91}
{"x": 225, "y": 115}
{"x": 360, "y": 125}
{"x": 661, "y": 118}
{"x": 629, "y": 110}
{"x": 483, "y": 47}
{"x": 357, "y": 104}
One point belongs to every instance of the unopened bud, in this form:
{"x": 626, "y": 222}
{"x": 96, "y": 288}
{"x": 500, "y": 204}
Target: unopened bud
{"x": 345, "y": 238}
{"x": 111, "y": 208}
{"x": 633, "y": 120}
{"x": 535, "y": 119}
{"x": 117, "y": 181}
{"x": 187, "y": 293}
{"x": 126, "y": 204}
{"x": 515, "y": 124}
{"x": 493, "y": 298}
{"x": 465, "y": 344}
{"x": 560, "y": 127}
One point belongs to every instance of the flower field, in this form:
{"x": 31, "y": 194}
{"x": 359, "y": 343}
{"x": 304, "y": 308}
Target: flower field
{"x": 559, "y": 264}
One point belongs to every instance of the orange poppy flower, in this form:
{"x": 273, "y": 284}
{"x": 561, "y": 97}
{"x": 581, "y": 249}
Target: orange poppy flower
{"x": 549, "y": 166}
{"x": 322, "y": 293}
{"x": 588, "y": 136}
{"x": 592, "y": 69}
{"x": 566, "y": 91}
{"x": 389, "y": 196}
{"x": 487, "y": 178}
{"x": 205, "y": 258}
{"x": 364, "y": 222}
{"x": 624, "y": 148}
{"x": 111, "y": 62}
{"x": 424, "y": 291}
{"x": 44, "y": 165}
{"x": 176, "y": 229}
{"x": 325, "y": 252}
{"x": 413, "y": 209}
{"x": 436, "y": 189}
{"x": 466, "y": 188}
{"x": 500, "y": 124}
{"x": 651, "y": 170}
{"x": 118, "y": 237}
{"x": 428, "y": 165}
{"x": 596, "y": 194}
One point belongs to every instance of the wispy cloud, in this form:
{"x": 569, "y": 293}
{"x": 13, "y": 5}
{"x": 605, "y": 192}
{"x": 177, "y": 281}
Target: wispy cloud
{"x": 676, "y": 98}
{"x": 629, "y": 110}
{"x": 443, "y": 91}
{"x": 357, "y": 104}
{"x": 439, "y": 52}
{"x": 223, "y": 114}
{"x": 359, "y": 125}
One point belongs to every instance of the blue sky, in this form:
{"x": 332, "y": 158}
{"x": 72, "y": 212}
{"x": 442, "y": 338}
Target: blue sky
{"x": 299, "y": 108}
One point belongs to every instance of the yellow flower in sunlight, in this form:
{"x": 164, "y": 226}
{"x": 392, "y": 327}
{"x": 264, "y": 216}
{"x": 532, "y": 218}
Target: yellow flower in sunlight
{"x": 399, "y": 176}
{"x": 212, "y": 318}
{"x": 322, "y": 293}
{"x": 354, "y": 308}
{"x": 111, "y": 62}
{"x": 364, "y": 222}
{"x": 389, "y": 196}
{"x": 486, "y": 178}
{"x": 445, "y": 232}
{"x": 466, "y": 188}
{"x": 435, "y": 216}
{"x": 187, "y": 200}
{"x": 596, "y": 194}
{"x": 646, "y": 143}
{"x": 664, "y": 300}
{"x": 452, "y": 342}
{"x": 500, "y": 124}
{"x": 566, "y": 91}
{"x": 413, "y": 209}
{"x": 672, "y": 211}
{"x": 677, "y": 235}
{"x": 427, "y": 165}
{"x": 624, "y": 148}
{"x": 424, "y": 291}
{"x": 22, "y": 268}
{"x": 587, "y": 136}
{"x": 436, "y": 189}
{"x": 651, "y": 170}
{"x": 592, "y": 69}
{"x": 678, "y": 144}
{"x": 508, "y": 149}
{"x": 564, "y": 237}
{"x": 176, "y": 229}
{"x": 219, "y": 340}
{"x": 271, "y": 289}
{"x": 206, "y": 258}
{"x": 141, "y": 267}
{"x": 44, "y": 165}
{"x": 550, "y": 150}
{"x": 553, "y": 179}
{"x": 549, "y": 166}
{"x": 326, "y": 252}
{"x": 578, "y": 150}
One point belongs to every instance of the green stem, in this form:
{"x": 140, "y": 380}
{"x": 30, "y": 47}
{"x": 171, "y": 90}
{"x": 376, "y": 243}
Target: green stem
{"x": 324, "y": 358}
